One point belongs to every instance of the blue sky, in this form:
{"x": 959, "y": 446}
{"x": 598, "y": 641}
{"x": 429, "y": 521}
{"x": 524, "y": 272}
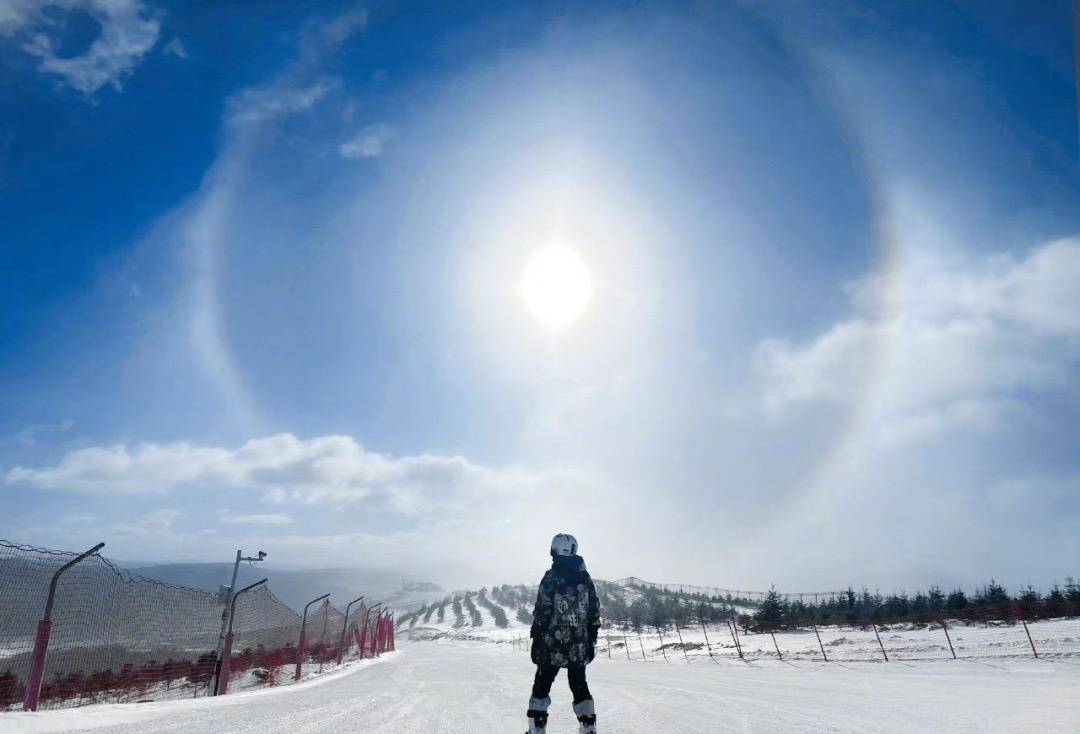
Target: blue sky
{"x": 260, "y": 270}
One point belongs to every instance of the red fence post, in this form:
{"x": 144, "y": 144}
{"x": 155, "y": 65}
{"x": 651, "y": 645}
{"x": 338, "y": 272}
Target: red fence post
{"x": 301, "y": 651}
{"x": 879, "y": 642}
{"x": 343, "y": 643}
{"x": 301, "y": 645}
{"x": 44, "y": 632}
{"x": 947, "y": 637}
{"x": 226, "y": 662}
{"x": 37, "y": 665}
{"x": 369, "y": 632}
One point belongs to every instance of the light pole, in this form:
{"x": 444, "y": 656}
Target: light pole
{"x": 226, "y": 610}
{"x": 300, "y": 651}
{"x": 344, "y": 629}
{"x": 226, "y": 658}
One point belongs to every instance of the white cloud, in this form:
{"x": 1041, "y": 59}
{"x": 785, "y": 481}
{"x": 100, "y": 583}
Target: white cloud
{"x": 329, "y": 469}
{"x": 18, "y": 14}
{"x": 264, "y": 104}
{"x": 129, "y": 29}
{"x": 959, "y": 341}
{"x": 368, "y": 143}
{"x": 152, "y": 523}
{"x": 270, "y": 519}
{"x": 176, "y": 48}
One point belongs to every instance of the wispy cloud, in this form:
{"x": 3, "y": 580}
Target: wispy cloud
{"x": 129, "y": 29}
{"x": 269, "y": 519}
{"x": 368, "y": 143}
{"x": 959, "y": 342}
{"x": 264, "y": 104}
{"x": 176, "y": 48}
{"x": 152, "y": 523}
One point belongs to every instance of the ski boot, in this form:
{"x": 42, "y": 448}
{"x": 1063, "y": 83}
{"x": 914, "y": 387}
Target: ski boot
{"x": 585, "y": 712}
{"x": 538, "y": 715}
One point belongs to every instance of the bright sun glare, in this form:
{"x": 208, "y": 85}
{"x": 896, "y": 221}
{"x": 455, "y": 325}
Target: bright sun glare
{"x": 556, "y": 286}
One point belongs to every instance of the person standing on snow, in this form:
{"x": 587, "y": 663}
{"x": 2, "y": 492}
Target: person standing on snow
{"x": 566, "y": 621}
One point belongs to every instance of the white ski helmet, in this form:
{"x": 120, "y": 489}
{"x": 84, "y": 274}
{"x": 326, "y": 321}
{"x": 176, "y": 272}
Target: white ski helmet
{"x": 564, "y": 544}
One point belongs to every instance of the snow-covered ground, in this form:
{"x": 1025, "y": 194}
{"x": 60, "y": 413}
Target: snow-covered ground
{"x": 479, "y": 688}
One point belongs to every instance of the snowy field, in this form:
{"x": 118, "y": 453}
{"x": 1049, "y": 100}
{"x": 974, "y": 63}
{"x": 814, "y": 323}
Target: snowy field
{"x": 1056, "y": 638}
{"x": 482, "y": 688}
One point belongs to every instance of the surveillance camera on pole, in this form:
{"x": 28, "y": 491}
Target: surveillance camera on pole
{"x": 225, "y": 595}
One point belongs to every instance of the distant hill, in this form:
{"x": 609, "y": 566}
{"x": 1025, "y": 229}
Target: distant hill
{"x": 294, "y": 587}
{"x": 504, "y": 613}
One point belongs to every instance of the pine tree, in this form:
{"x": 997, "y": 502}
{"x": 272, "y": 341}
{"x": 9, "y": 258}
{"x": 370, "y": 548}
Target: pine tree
{"x": 957, "y": 600}
{"x": 771, "y": 613}
{"x": 992, "y": 593}
{"x": 935, "y": 599}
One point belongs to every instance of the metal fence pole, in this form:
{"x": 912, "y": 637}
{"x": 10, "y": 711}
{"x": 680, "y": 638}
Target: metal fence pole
{"x": 643, "y": 656}
{"x": 325, "y": 621}
{"x": 738, "y": 647}
{"x": 368, "y": 633}
{"x": 44, "y": 631}
{"x": 1020, "y": 613}
{"x": 226, "y": 651}
{"x": 819, "y": 644}
{"x": 948, "y": 639}
{"x": 345, "y": 629}
{"x": 301, "y": 645}
{"x": 706, "y": 633}
{"x": 878, "y": 636}
{"x": 626, "y": 645}
{"x": 683, "y": 644}
{"x": 779, "y": 654}
{"x": 661, "y": 636}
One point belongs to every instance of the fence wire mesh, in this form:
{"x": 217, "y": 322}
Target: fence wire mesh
{"x": 974, "y": 634}
{"x": 119, "y": 637}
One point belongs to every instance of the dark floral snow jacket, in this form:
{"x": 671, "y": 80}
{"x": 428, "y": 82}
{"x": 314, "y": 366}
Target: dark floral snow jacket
{"x": 567, "y": 616}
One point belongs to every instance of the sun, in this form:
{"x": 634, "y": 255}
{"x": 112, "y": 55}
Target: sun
{"x": 556, "y": 286}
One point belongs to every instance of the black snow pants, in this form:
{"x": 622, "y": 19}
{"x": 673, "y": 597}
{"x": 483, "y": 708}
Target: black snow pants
{"x": 545, "y": 676}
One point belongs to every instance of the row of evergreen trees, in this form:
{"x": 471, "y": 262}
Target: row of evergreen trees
{"x": 655, "y": 608}
{"x": 851, "y": 607}
{"x": 496, "y": 601}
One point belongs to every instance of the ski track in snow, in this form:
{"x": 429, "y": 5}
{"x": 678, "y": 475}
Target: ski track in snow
{"x": 476, "y": 688}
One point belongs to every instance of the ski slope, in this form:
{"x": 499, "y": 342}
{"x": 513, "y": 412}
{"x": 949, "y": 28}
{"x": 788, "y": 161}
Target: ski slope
{"x": 477, "y": 688}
